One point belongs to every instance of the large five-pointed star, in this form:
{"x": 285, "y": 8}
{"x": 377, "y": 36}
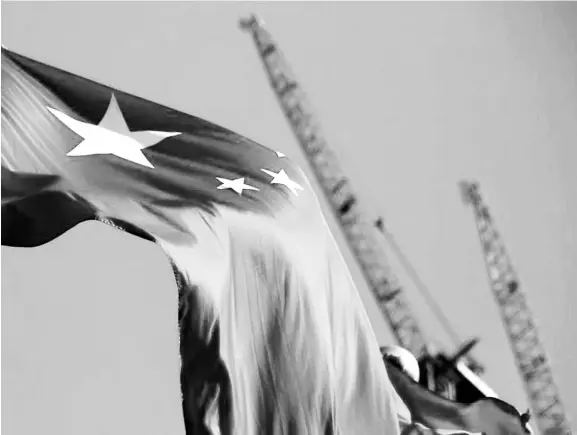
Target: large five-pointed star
{"x": 282, "y": 178}
{"x": 237, "y": 185}
{"x": 112, "y": 136}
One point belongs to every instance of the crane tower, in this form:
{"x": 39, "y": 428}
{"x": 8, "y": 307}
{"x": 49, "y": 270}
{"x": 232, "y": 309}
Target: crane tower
{"x": 528, "y": 350}
{"x": 360, "y": 232}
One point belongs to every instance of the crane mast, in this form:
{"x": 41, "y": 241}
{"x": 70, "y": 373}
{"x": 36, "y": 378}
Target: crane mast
{"x": 528, "y": 350}
{"x": 360, "y": 232}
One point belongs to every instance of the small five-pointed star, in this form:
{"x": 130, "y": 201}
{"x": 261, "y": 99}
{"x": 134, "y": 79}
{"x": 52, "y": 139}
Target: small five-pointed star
{"x": 112, "y": 136}
{"x": 282, "y": 178}
{"x": 237, "y": 185}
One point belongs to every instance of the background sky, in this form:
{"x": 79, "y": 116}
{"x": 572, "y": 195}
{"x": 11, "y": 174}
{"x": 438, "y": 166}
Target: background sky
{"x": 412, "y": 97}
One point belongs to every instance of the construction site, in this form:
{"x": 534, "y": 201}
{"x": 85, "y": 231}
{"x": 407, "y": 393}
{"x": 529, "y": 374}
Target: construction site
{"x": 448, "y": 356}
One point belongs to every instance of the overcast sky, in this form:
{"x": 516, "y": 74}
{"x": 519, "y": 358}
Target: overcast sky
{"x": 413, "y": 97}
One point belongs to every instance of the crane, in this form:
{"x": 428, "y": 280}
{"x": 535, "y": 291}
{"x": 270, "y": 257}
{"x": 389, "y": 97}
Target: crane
{"x": 361, "y": 232}
{"x": 528, "y": 350}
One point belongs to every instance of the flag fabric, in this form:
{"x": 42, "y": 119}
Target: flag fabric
{"x": 489, "y": 416}
{"x": 274, "y": 337}
{"x": 412, "y": 428}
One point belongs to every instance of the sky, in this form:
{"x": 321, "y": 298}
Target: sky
{"x": 413, "y": 97}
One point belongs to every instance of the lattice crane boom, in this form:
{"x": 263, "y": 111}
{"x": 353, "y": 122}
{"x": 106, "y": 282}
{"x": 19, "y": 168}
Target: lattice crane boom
{"x": 359, "y": 231}
{"x": 528, "y": 350}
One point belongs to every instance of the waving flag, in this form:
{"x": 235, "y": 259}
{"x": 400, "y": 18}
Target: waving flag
{"x": 273, "y": 335}
{"x": 489, "y": 416}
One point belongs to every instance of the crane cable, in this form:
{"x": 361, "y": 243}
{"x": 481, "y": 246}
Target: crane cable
{"x": 421, "y": 287}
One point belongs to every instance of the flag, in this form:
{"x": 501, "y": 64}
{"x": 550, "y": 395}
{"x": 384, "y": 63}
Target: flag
{"x": 273, "y": 334}
{"x": 489, "y": 416}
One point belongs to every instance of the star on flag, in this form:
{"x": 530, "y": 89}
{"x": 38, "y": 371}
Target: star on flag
{"x": 282, "y": 178}
{"x": 112, "y": 136}
{"x": 237, "y": 185}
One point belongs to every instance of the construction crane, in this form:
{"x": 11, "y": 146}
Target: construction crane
{"x": 360, "y": 232}
{"x": 528, "y": 350}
